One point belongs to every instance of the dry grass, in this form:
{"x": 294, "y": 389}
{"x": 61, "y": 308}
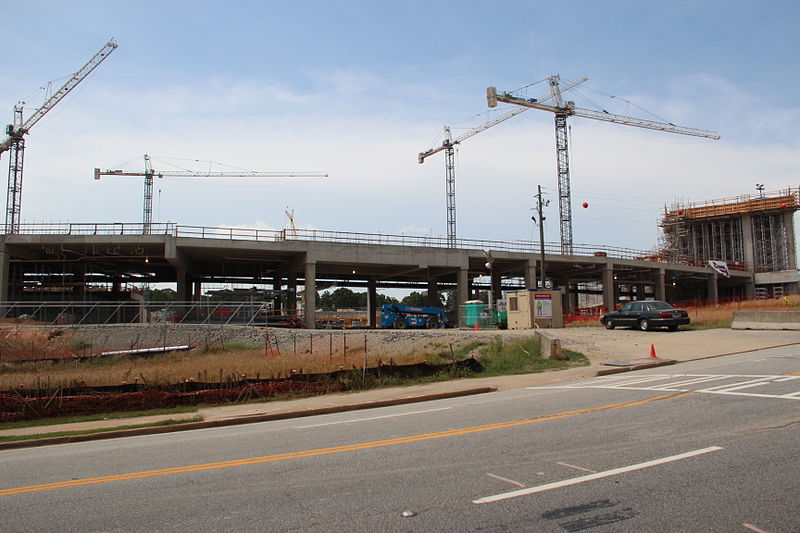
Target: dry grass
{"x": 718, "y": 315}
{"x": 721, "y": 315}
{"x": 203, "y": 364}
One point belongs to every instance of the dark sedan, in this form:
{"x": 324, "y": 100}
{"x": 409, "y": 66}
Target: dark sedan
{"x": 646, "y": 315}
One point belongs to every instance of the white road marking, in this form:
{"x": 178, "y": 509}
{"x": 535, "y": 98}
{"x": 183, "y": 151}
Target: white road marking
{"x": 687, "y": 381}
{"x": 628, "y": 382}
{"x": 576, "y": 467}
{"x": 371, "y": 418}
{"x": 730, "y": 387}
{"x": 592, "y": 477}
{"x": 517, "y": 483}
{"x": 696, "y": 380}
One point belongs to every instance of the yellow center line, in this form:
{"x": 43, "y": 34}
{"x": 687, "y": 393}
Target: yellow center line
{"x": 331, "y": 450}
{"x": 792, "y": 374}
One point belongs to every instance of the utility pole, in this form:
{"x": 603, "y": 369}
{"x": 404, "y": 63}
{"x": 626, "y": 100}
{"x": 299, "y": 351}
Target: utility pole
{"x": 540, "y": 209}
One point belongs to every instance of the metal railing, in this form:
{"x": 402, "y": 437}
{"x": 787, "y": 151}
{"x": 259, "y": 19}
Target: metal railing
{"x": 316, "y": 235}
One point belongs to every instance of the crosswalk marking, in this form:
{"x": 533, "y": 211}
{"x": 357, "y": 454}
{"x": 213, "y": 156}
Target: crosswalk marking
{"x": 698, "y": 383}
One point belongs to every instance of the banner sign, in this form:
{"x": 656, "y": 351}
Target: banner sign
{"x": 721, "y": 267}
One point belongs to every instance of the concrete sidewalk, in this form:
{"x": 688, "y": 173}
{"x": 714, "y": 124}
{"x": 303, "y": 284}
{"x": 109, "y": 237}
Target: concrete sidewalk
{"x": 603, "y": 347}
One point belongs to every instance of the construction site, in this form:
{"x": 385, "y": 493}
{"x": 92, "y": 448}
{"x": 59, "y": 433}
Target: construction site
{"x": 742, "y": 247}
{"x": 753, "y": 233}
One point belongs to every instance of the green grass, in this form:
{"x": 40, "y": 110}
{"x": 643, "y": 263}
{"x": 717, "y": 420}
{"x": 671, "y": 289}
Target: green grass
{"x": 523, "y": 357}
{"x": 243, "y": 346}
{"x": 92, "y": 418}
{"x": 170, "y": 422}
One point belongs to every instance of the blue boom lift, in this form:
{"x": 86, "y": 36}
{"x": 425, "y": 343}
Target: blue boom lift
{"x": 408, "y": 316}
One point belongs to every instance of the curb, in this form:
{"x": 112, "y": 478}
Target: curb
{"x": 113, "y": 434}
{"x": 631, "y": 368}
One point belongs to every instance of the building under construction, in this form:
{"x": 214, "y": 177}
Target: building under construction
{"x": 750, "y": 232}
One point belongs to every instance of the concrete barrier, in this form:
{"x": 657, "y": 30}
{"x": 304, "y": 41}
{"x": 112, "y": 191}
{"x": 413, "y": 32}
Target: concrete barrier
{"x": 766, "y": 320}
{"x": 551, "y": 346}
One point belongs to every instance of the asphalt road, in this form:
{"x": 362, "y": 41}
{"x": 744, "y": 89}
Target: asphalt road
{"x": 704, "y": 446}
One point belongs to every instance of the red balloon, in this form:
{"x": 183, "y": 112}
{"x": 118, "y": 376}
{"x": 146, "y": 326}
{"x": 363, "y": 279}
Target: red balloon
{"x": 585, "y": 205}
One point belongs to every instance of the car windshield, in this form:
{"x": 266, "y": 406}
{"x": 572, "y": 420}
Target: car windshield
{"x": 657, "y": 306}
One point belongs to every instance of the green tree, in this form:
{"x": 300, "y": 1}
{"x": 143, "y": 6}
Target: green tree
{"x": 344, "y": 298}
{"x": 420, "y": 299}
{"x": 161, "y": 295}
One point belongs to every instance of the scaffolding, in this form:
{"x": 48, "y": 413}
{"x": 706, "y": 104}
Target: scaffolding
{"x": 748, "y": 232}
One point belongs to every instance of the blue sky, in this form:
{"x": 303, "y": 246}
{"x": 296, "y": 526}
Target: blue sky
{"x": 357, "y": 89}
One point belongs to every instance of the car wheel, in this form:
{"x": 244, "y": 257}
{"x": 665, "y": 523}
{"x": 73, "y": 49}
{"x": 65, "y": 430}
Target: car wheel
{"x": 644, "y": 325}
{"x": 672, "y": 328}
{"x": 400, "y": 323}
{"x": 609, "y": 324}
{"x": 433, "y": 322}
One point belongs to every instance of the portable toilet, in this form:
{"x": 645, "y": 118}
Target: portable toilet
{"x": 472, "y": 312}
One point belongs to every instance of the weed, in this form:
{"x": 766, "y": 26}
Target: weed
{"x": 524, "y": 356}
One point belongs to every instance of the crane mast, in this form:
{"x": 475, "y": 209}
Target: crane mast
{"x": 562, "y": 111}
{"x": 149, "y": 174}
{"x": 15, "y": 142}
{"x": 448, "y": 147}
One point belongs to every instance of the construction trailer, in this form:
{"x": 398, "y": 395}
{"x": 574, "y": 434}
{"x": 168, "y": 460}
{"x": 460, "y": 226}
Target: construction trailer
{"x": 749, "y": 232}
{"x": 534, "y": 309}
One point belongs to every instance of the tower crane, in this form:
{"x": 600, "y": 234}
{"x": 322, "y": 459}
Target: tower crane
{"x": 149, "y": 174}
{"x": 448, "y": 146}
{"x": 15, "y": 142}
{"x": 563, "y": 110}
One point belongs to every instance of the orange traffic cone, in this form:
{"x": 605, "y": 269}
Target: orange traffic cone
{"x": 476, "y": 325}
{"x": 653, "y": 352}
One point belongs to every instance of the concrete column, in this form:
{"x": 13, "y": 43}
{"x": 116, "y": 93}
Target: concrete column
{"x": 277, "y": 283}
{"x": 462, "y": 293}
{"x": 372, "y": 302}
{"x": 182, "y": 286}
{"x": 497, "y": 289}
{"x": 291, "y": 292}
{"x": 5, "y": 266}
{"x": 433, "y": 292}
{"x": 609, "y": 287}
{"x": 571, "y": 297}
{"x": 713, "y": 290}
{"x": 311, "y": 295}
{"x": 790, "y": 242}
{"x": 197, "y": 292}
{"x": 750, "y": 289}
{"x": 530, "y": 275}
{"x": 747, "y": 242}
{"x": 661, "y": 277}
